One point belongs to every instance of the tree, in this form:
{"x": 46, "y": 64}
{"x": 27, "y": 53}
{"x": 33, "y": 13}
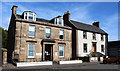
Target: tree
{"x": 4, "y": 37}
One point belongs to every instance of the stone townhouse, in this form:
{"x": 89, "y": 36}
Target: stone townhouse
{"x": 32, "y": 39}
{"x": 87, "y": 39}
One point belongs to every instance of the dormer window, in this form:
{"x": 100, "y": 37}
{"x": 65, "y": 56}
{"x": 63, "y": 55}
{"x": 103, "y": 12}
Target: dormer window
{"x": 58, "y": 21}
{"x": 29, "y": 16}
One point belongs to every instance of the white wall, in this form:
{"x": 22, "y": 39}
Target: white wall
{"x": 89, "y": 41}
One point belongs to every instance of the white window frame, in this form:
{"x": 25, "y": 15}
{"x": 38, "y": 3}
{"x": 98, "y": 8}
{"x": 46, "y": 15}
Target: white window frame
{"x": 34, "y": 16}
{"x": 32, "y": 31}
{"x": 63, "y": 34}
{"x": 45, "y": 33}
{"x": 59, "y": 52}
{"x": 28, "y": 51}
{"x": 56, "y": 21}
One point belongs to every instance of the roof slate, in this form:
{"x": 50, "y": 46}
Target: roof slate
{"x": 78, "y": 25}
{"x": 87, "y": 27}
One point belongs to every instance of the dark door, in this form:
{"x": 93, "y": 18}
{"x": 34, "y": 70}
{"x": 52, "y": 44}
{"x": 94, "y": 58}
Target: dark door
{"x": 48, "y": 52}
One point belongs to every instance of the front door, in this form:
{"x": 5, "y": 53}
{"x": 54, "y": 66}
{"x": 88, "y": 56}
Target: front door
{"x": 48, "y": 52}
{"x": 94, "y": 46}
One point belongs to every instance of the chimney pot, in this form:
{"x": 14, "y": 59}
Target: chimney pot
{"x": 67, "y": 11}
{"x": 66, "y": 17}
{"x": 97, "y": 24}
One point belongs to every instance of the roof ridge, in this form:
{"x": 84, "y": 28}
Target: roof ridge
{"x": 88, "y": 27}
{"x": 83, "y": 23}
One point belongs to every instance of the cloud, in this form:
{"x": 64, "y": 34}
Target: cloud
{"x": 82, "y": 14}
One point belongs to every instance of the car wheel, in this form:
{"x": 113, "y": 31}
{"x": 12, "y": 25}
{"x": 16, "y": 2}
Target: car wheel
{"x": 105, "y": 62}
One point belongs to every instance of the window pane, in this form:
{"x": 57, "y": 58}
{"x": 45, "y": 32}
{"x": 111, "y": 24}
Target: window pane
{"x": 102, "y": 37}
{"x": 47, "y": 30}
{"x": 94, "y": 36}
{"x": 47, "y": 35}
{"x": 61, "y": 32}
{"x": 56, "y": 20}
{"x": 25, "y": 17}
{"x": 31, "y": 33}
{"x": 61, "y": 50}
{"x": 84, "y": 35}
{"x": 30, "y": 17}
{"x": 31, "y": 28}
{"x": 85, "y": 47}
{"x": 31, "y": 50}
{"x": 102, "y": 48}
{"x": 61, "y": 47}
{"x": 61, "y": 36}
{"x": 30, "y": 14}
{"x": 61, "y": 53}
{"x": 59, "y": 21}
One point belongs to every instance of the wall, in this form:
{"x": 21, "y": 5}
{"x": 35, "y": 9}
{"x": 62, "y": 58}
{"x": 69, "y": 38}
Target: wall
{"x": 89, "y": 41}
{"x": 22, "y": 40}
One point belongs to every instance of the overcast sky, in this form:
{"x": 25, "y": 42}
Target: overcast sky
{"x": 87, "y": 12}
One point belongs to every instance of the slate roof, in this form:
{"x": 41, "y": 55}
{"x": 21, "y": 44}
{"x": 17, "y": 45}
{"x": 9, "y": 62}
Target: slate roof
{"x": 37, "y": 19}
{"x": 78, "y": 25}
{"x": 87, "y": 27}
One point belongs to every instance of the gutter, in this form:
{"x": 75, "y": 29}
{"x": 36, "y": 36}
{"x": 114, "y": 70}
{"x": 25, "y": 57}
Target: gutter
{"x": 43, "y": 23}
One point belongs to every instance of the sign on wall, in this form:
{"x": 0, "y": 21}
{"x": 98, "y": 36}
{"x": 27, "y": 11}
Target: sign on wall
{"x": 41, "y": 28}
{"x": 39, "y": 54}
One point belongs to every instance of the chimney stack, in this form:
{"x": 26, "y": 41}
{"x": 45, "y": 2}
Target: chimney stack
{"x": 97, "y": 24}
{"x": 14, "y": 9}
{"x": 66, "y": 16}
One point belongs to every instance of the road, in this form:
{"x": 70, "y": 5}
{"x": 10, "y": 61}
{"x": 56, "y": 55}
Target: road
{"x": 85, "y": 66}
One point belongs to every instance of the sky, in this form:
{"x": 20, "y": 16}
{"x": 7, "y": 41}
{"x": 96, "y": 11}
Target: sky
{"x": 87, "y": 12}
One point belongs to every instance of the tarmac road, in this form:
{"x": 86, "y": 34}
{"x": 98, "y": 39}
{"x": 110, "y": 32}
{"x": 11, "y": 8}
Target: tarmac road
{"x": 82, "y": 66}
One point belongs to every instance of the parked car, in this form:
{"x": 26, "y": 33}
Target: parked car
{"x": 112, "y": 60}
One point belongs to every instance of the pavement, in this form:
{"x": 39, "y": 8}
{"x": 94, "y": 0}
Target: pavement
{"x": 93, "y": 65}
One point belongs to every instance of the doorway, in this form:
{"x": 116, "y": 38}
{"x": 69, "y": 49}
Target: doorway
{"x": 94, "y": 46}
{"x": 48, "y": 52}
